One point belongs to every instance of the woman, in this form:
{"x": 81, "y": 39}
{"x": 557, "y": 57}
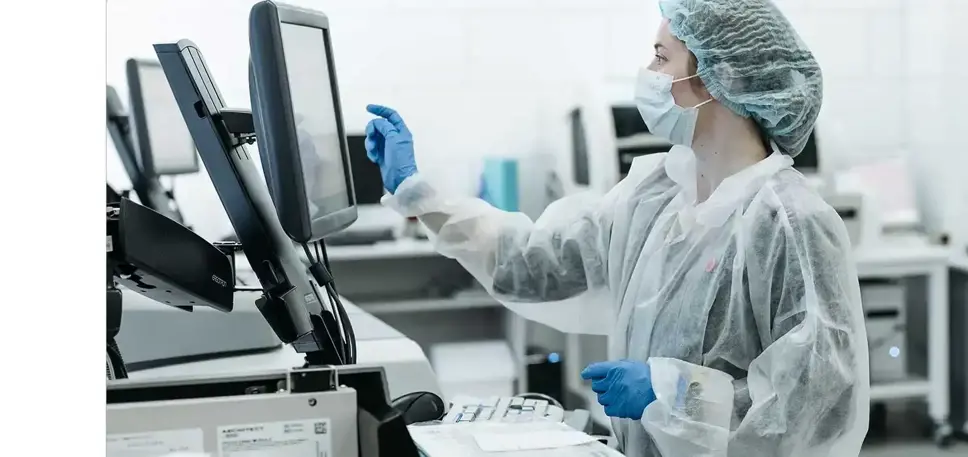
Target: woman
{"x": 723, "y": 281}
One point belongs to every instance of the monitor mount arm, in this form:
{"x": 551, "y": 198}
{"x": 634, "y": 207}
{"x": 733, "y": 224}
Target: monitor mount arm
{"x": 240, "y": 124}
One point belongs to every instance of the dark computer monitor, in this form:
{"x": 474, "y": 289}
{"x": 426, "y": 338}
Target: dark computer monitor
{"x": 808, "y": 161}
{"x": 292, "y": 303}
{"x": 579, "y": 149}
{"x": 367, "y": 180}
{"x": 627, "y": 121}
{"x": 300, "y": 125}
{"x": 164, "y": 145}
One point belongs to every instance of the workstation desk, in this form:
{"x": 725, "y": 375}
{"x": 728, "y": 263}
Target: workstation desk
{"x": 407, "y": 368}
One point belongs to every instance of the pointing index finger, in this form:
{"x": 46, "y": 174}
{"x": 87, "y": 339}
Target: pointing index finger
{"x": 389, "y": 114}
{"x": 597, "y": 370}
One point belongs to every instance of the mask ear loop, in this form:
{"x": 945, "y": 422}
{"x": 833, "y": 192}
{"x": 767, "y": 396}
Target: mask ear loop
{"x": 687, "y": 78}
{"x": 703, "y": 103}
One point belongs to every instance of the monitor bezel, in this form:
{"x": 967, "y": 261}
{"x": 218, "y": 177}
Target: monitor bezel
{"x": 139, "y": 122}
{"x": 276, "y": 128}
{"x": 576, "y": 121}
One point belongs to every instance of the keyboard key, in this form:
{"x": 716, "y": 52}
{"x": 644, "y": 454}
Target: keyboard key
{"x": 502, "y": 407}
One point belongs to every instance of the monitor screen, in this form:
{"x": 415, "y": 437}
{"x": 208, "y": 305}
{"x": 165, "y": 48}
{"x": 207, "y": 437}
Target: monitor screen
{"x": 314, "y": 111}
{"x": 169, "y": 142}
{"x": 808, "y": 160}
{"x": 367, "y": 180}
{"x": 579, "y": 149}
{"x": 628, "y": 122}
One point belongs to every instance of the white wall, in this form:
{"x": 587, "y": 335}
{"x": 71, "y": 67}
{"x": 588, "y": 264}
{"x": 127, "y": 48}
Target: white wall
{"x": 478, "y": 77}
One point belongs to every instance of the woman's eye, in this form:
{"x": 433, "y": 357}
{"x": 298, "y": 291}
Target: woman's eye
{"x": 659, "y": 58}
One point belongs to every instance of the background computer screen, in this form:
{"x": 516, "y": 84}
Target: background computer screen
{"x": 808, "y": 161}
{"x": 315, "y": 114}
{"x": 579, "y": 149}
{"x": 367, "y": 181}
{"x": 171, "y": 146}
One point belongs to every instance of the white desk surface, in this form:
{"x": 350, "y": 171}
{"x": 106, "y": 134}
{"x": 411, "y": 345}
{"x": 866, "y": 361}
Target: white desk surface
{"x": 888, "y": 251}
{"x": 899, "y": 257}
{"x": 397, "y": 249}
{"x": 405, "y": 248}
{"x": 370, "y": 353}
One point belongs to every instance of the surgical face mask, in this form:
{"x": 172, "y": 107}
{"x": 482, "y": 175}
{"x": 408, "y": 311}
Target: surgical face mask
{"x": 653, "y": 97}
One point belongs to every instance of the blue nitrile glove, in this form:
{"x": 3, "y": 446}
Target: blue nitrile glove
{"x": 624, "y": 387}
{"x": 389, "y": 144}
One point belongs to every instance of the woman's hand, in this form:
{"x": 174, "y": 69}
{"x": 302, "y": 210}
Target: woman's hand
{"x": 389, "y": 144}
{"x": 624, "y": 387}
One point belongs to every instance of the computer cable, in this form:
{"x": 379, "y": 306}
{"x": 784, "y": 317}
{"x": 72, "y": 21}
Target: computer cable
{"x": 540, "y": 396}
{"x": 321, "y": 276}
{"x": 334, "y": 297}
{"x": 321, "y": 273}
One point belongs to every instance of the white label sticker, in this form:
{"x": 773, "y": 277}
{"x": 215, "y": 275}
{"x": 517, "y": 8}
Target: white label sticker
{"x": 305, "y": 438}
{"x": 110, "y": 244}
{"x": 156, "y": 444}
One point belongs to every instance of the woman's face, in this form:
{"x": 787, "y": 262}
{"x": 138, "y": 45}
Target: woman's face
{"x": 672, "y": 58}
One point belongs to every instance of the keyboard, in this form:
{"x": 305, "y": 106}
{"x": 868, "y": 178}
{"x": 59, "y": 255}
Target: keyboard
{"x": 502, "y": 409}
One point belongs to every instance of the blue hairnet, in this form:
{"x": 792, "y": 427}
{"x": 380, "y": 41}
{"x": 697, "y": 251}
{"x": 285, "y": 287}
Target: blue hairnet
{"x": 753, "y": 62}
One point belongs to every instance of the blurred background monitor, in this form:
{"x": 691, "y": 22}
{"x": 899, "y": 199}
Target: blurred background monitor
{"x": 808, "y": 161}
{"x": 627, "y": 121}
{"x": 367, "y": 180}
{"x": 164, "y": 145}
{"x": 579, "y": 149}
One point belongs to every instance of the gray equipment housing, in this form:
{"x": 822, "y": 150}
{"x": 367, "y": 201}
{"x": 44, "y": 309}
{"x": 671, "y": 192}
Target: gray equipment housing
{"x": 295, "y": 411}
{"x": 154, "y": 335}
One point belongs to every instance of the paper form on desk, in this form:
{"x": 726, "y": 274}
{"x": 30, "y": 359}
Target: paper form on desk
{"x": 489, "y": 439}
{"x": 527, "y": 441}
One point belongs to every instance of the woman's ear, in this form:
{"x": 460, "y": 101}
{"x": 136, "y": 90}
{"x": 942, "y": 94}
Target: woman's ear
{"x": 698, "y": 87}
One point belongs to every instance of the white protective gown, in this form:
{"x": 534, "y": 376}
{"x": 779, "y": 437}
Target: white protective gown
{"x": 747, "y": 306}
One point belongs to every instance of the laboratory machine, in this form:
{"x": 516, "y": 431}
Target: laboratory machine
{"x": 150, "y": 146}
{"x": 340, "y": 411}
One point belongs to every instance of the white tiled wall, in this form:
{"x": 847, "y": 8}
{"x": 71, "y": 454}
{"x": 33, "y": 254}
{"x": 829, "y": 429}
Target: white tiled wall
{"x": 478, "y": 77}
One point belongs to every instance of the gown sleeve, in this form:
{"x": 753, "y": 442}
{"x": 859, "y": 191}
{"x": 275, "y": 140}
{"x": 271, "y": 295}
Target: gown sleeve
{"x": 559, "y": 260}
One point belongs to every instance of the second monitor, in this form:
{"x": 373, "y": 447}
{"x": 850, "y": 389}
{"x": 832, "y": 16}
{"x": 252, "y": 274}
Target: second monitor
{"x": 165, "y": 147}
